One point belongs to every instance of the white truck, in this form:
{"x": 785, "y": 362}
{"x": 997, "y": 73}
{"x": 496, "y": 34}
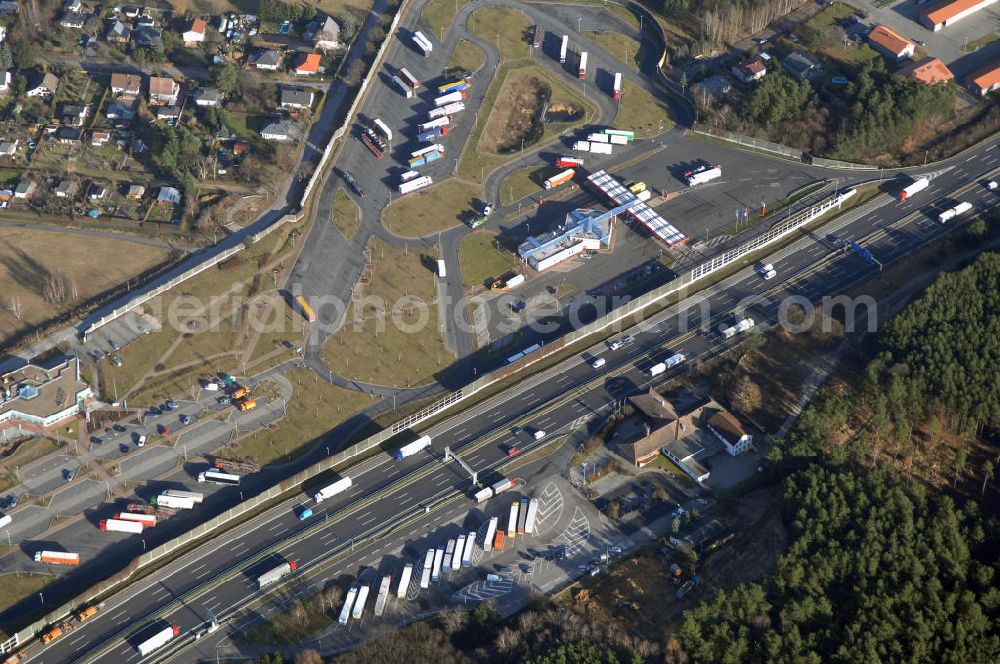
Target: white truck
{"x": 345, "y": 612}
{"x": 451, "y": 98}
{"x": 917, "y": 185}
{"x": 415, "y": 184}
{"x": 173, "y": 502}
{"x": 362, "y": 599}
{"x": 703, "y": 174}
{"x": 425, "y": 576}
{"x": 470, "y": 547}
{"x": 276, "y": 574}
{"x": 582, "y": 146}
{"x": 601, "y": 148}
{"x": 449, "y": 553}
{"x": 412, "y": 448}
{"x": 456, "y": 560}
{"x": 423, "y": 43}
{"x": 5, "y": 520}
{"x": 438, "y": 559}
{"x": 158, "y": 640}
{"x": 341, "y": 485}
{"x": 529, "y": 525}
{"x": 403, "y": 87}
{"x": 218, "y": 477}
{"x": 766, "y": 271}
{"x": 193, "y": 495}
{"x": 598, "y": 138}
{"x": 121, "y": 526}
{"x": 383, "y": 595}
{"x": 956, "y": 211}
{"x": 404, "y": 581}
{"x": 742, "y": 326}
{"x": 674, "y": 360}
{"x": 491, "y": 533}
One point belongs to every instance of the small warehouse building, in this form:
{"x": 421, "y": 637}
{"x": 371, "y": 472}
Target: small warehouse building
{"x": 945, "y": 13}
{"x": 890, "y": 43}
{"x": 583, "y": 230}
{"x": 985, "y": 80}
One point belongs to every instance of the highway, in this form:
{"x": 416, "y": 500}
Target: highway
{"x": 552, "y": 400}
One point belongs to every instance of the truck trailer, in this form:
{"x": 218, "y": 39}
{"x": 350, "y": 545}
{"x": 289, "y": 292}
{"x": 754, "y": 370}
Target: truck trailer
{"x": 449, "y": 553}
{"x": 536, "y": 38}
{"x": 454, "y": 86}
{"x": 616, "y": 90}
{"x": 913, "y": 187}
{"x": 563, "y": 48}
{"x": 742, "y": 326}
{"x": 512, "y": 519}
{"x": 956, "y": 211}
{"x": 582, "y": 74}
{"x": 193, "y": 495}
{"x": 147, "y": 520}
{"x": 173, "y": 502}
{"x": 57, "y": 558}
{"x": 425, "y": 575}
{"x": 470, "y": 547}
{"x": 282, "y": 570}
{"x": 522, "y": 516}
{"x": 427, "y": 157}
{"x": 600, "y": 148}
{"x": 403, "y": 87}
{"x": 158, "y": 640}
{"x": 362, "y": 599}
{"x": 431, "y": 134}
{"x": 409, "y": 79}
{"x": 529, "y": 524}
{"x": 703, "y": 174}
{"x": 491, "y": 533}
{"x": 442, "y": 121}
{"x": 450, "y": 98}
{"x": 412, "y": 448}
{"x": 456, "y": 559}
{"x": 598, "y": 137}
{"x": 423, "y": 43}
{"x": 483, "y": 495}
{"x": 383, "y": 595}
{"x": 581, "y": 146}
{"x": 404, "y": 581}
{"x": 119, "y": 526}
{"x": 438, "y": 560}
{"x": 562, "y": 178}
{"x": 569, "y": 162}
{"x": 412, "y": 185}
{"x": 216, "y": 477}
{"x": 502, "y": 485}
{"x": 341, "y": 485}
{"x": 345, "y": 611}
{"x": 382, "y": 129}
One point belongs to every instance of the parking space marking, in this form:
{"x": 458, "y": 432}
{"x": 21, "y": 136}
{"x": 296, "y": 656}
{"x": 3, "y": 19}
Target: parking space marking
{"x": 481, "y": 590}
{"x": 550, "y": 507}
{"x": 576, "y": 534}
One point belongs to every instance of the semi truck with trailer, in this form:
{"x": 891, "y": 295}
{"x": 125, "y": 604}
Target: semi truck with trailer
{"x": 383, "y": 595}
{"x": 674, "y": 360}
{"x": 625, "y": 133}
{"x": 450, "y": 98}
{"x": 616, "y": 90}
{"x": 425, "y": 575}
{"x": 345, "y": 611}
{"x": 483, "y": 495}
{"x": 415, "y": 184}
{"x": 470, "y": 547}
{"x": 491, "y": 533}
{"x": 536, "y": 38}
{"x": 173, "y": 502}
{"x": 412, "y": 448}
{"x": 569, "y": 162}
{"x": 382, "y": 129}
{"x": 147, "y": 520}
{"x": 360, "y": 601}
{"x": 507, "y": 284}
{"x": 423, "y": 43}
{"x": 742, "y": 326}
{"x": 563, "y": 48}
{"x": 495, "y": 489}
{"x": 703, "y": 174}
{"x": 438, "y": 560}
{"x": 431, "y": 134}
{"x": 512, "y": 520}
{"x": 408, "y": 175}
{"x": 581, "y": 146}
{"x": 916, "y": 186}
{"x": 562, "y": 178}
{"x": 158, "y": 640}
{"x": 404, "y": 581}
{"x": 953, "y": 212}
{"x": 304, "y": 308}
{"x": 341, "y": 485}
{"x": 456, "y": 559}
{"x": 582, "y": 74}
{"x": 453, "y": 108}
{"x": 217, "y": 477}
{"x": 614, "y": 139}
{"x": 529, "y": 524}
{"x": 276, "y": 574}
{"x": 598, "y": 137}
{"x": 119, "y": 526}
{"x": 409, "y": 79}
{"x": 57, "y": 558}
{"x": 193, "y": 495}
{"x": 499, "y": 539}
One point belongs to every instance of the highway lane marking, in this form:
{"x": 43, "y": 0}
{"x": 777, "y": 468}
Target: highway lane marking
{"x": 276, "y": 526}
{"x": 238, "y": 545}
{"x": 365, "y": 523}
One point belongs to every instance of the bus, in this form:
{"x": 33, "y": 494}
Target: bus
{"x": 305, "y": 309}
{"x": 536, "y": 40}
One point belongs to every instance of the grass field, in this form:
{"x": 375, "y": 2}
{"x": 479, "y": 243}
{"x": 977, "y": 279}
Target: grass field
{"x": 640, "y": 112}
{"x": 433, "y": 209}
{"x": 475, "y": 163}
{"x": 481, "y": 261}
{"x": 467, "y": 55}
{"x": 525, "y": 181}
{"x": 400, "y": 293}
{"x": 346, "y": 214}
{"x": 32, "y": 259}
{"x": 438, "y": 14}
{"x": 621, "y": 47}
{"x": 15, "y": 587}
{"x": 315, "y": 408}
{"x": 505, "y": 28}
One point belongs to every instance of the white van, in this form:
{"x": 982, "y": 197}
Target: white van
{"x": 598, "y": 363}
{"x": 539, "y": 434}
{"x": 141, "y": 440}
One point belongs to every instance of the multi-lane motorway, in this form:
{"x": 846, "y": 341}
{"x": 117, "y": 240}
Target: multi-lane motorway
{"x": 187, "y": 592}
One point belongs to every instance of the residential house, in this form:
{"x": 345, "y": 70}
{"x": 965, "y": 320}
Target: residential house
{"x": 75, "y": 115}
{"x": 729, "y": 430}
{"x": 644, "y": 450}
{"x": 168, "y": 196}
{"x": 99, "y": 137}
{"x": 325, "y": 35}
{"x": 45, "y": 88}
{"x": 163, "y": 90}
{"x": 750, "y": 70}
{"x": 147, "y": 36}
{"x": 67, "y": 189}
{"x": 25, "y": 189}
{"x": 4, "y": 82}
{"x": 279, "y": 130}
{"x": 8, "y": 148}
{"x": 268, "y": 60}
{"x": 307, "y": 64}
{"x": 119, "y": 32}
{"x": 296, "y": 98}
{"x": 207, "y": 97}
{"x": 168, "y": 112}
{"x": 126, "y": 85}
{"x": 195, "y": 33}
{"x": 654, "y": 407}
{"x": 890, "y": 43}
{"x": 802, "y": 65}
{"x": 985, "y": 80}
{"x": 69, "y": 135}
{"x": 135, "y": 192}
{"x": 928, "y": 71}
{"x": 71, "y": 22}
{"x": 98, "y": 191}
{"x": 948, "y": 12}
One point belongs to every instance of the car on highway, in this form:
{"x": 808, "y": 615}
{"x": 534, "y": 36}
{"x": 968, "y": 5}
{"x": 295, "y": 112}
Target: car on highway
{"x": 518, "y": 431}
{"x": 598, "y": 363}
{"x": 991, "y": 184}
{"x": 766, "y": 271}
{"x": 114, "y": 345}
{"x": 513, "y": 450}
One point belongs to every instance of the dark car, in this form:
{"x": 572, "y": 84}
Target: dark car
{"x": 95, "y": 440}
{"x": 153, "y": 412}
{"x": 185, "y": 419}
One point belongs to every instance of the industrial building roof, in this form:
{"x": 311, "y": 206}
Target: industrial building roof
{"x": 949, "y": 10}
{"x": 986, "y": 78}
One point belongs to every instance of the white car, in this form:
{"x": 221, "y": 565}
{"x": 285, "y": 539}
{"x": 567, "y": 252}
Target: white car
{"x": 598, "y": 363}
{"x": 141, "y": 440}
{"x": 539, "y": 434}
{"x": 766, "y": 271}
{"x": 992, "y": 184}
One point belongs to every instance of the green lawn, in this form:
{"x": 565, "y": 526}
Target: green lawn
{"x": 467, "y": 55}
{"x": 315, "y": 408}
{"x": 346, "y": 214}
{"x": 400, "y": 293}
{"x": 507, "y": 29}
{"x": 433, "y": 209}
{"x": 621, "y": 47}
{"x": 15, "y": 587}
{"x": 481, "y": 261}
{"x": 525, "y": 181}
{"x": 438, "y": 14}
{"x": 640, "y": 112}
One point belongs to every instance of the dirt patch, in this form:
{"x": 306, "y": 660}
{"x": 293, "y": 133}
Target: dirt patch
{"x": 519, "y": 112}
{"x": 761, "y": 537}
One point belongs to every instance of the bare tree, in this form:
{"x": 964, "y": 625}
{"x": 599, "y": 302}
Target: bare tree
{"x": 14, "y": 306}
{"x": 746, "y": 395}
{"x": 309, "y": 656}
